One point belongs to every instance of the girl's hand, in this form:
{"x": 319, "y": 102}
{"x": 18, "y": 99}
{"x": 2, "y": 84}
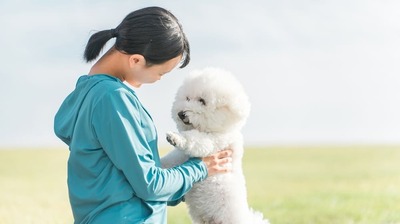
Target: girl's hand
{"x": 218, "y": 162}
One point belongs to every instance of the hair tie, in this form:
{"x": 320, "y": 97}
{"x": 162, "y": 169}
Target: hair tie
{"x": 114, "y": 33}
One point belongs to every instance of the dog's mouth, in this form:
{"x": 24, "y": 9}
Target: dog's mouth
{"x": 184, "y": 118}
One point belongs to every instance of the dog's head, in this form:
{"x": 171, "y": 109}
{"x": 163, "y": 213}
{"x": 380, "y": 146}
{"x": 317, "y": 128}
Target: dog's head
{"x": 210, "y": 100}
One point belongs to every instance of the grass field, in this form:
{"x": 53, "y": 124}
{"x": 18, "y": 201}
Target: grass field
{"x": 293, "y": 185}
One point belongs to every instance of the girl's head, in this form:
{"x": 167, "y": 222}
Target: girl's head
{"x": 152, "y": 32}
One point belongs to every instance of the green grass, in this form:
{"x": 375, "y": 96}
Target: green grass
{"x": 293, "y": 185}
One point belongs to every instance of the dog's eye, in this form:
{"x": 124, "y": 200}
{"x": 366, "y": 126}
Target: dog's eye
{"x": 202, "y": 101}
{"x": 187, "y": 98}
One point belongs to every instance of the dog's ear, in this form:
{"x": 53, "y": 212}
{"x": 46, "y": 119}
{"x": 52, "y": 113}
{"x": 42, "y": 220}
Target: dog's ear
{"x": 243, "y": 111}
{"x": 239, "y": 107}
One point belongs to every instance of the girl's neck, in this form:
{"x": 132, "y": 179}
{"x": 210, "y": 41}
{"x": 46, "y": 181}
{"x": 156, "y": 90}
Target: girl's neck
{"x": 110, "y": 64}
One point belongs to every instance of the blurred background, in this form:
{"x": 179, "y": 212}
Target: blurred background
{"x": 323, "y": 78}
{"x": 316, "y": 72}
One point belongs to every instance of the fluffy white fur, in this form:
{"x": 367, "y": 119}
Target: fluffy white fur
{"x": 210, "y": 108}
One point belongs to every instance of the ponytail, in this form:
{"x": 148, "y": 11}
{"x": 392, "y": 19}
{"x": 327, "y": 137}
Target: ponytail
{"x": 96, "y": 43}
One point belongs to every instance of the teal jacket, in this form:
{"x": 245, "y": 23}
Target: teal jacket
{"x": 114, "y": 169}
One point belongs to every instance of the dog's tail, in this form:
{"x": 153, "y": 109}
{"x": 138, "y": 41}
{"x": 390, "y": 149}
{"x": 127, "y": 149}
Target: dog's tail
{"x": 257, "y": 217}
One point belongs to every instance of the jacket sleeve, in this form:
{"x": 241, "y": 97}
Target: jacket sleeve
{"x": 119, "y": 129}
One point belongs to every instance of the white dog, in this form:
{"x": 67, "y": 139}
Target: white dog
{"x": 210, "y": 108}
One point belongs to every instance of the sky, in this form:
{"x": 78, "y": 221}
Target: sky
{"x": 316, "y": 72}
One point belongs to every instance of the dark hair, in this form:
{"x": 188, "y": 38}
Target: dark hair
{"x": 152, "y": 32}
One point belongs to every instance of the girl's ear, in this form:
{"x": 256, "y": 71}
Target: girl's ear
{"x": 136, "y": 59}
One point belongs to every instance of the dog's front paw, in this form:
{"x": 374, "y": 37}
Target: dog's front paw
{"x": 170, "y": 138}
{"x": 175, "y": 139}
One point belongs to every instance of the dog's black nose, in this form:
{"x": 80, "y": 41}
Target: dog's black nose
{"x": 182, "y": 115}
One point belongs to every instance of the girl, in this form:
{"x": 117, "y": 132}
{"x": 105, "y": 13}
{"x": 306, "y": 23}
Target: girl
{"x": 114, "y": 169}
